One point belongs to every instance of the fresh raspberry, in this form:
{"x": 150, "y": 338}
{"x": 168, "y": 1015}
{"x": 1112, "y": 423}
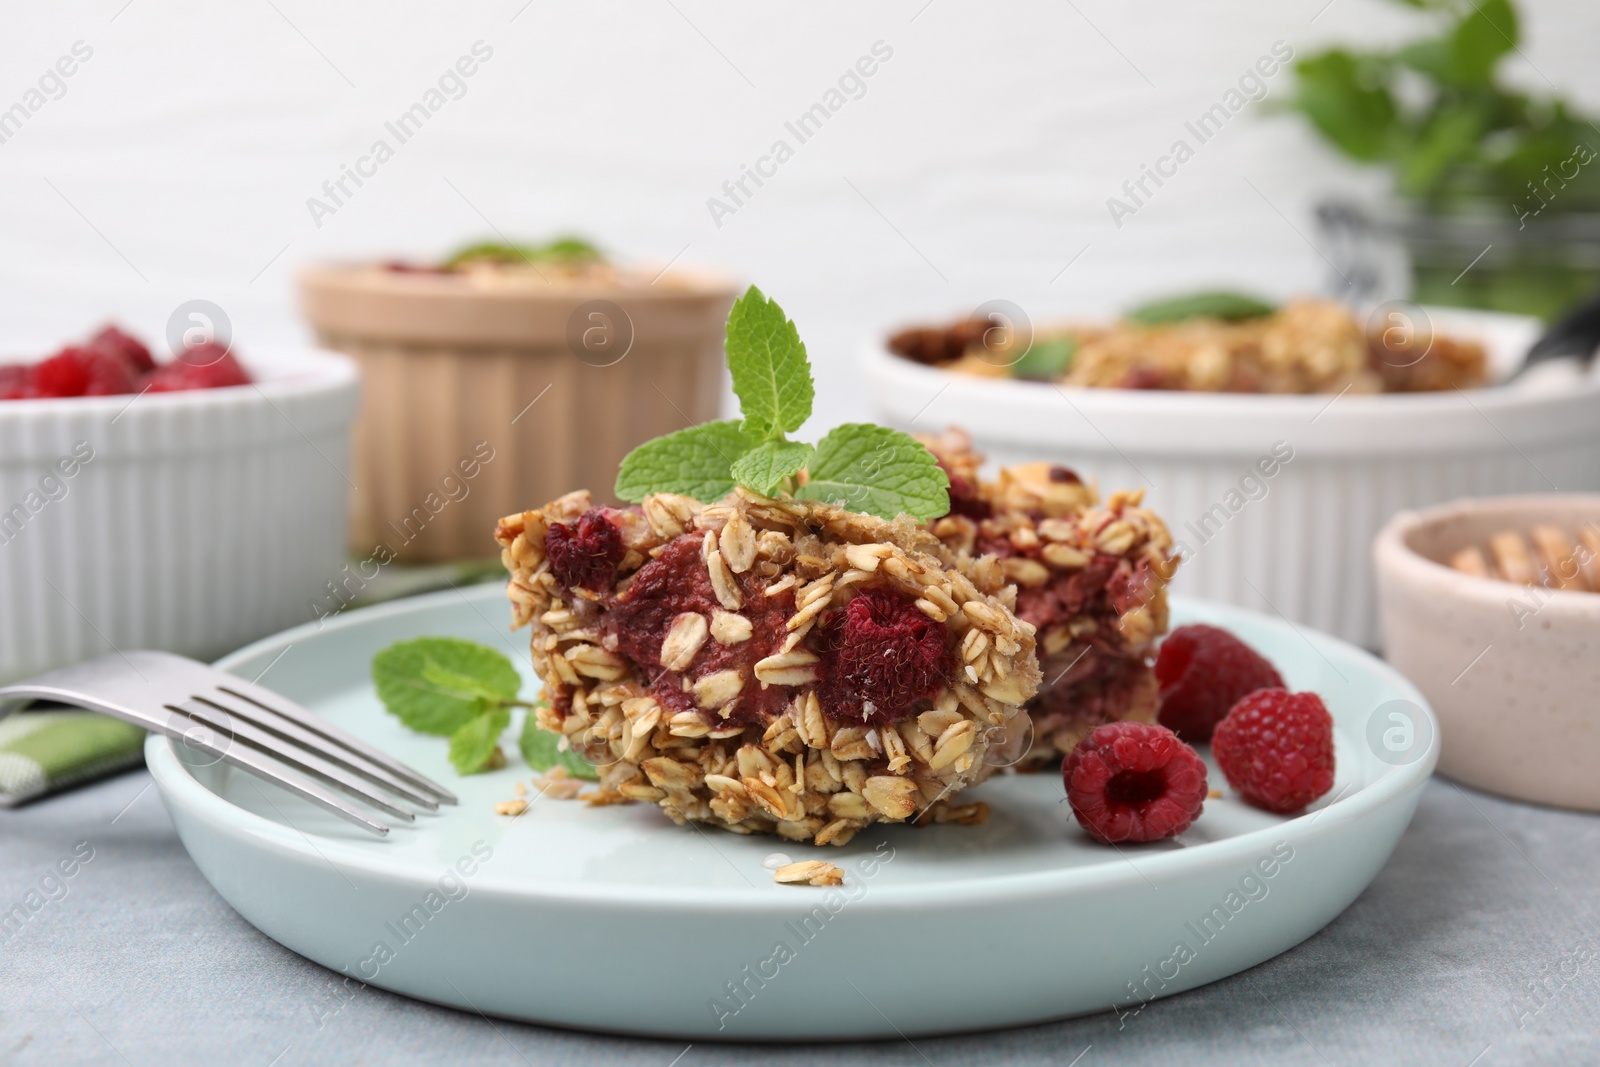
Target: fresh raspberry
{"x": 585, "y": 555}
{"x": 882, "y": 655}
{"x": 64, "y": 374}
{"x": 108, "y": 375}
{"x": 1276, "y": 749}
{"x": 16, "y": 381}
{"x": 1203, "y": 672}
{"x": 1134, "y": 781}
{"x": 206, "y": 366}
{"x": 113, "y": 342}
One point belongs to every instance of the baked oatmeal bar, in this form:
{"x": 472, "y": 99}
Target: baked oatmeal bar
{"x": 766, "y": 665}
{"x": 1090, "y": 576}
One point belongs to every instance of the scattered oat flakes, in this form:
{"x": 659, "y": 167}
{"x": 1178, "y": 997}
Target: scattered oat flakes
{"x": 1215, "y": 794}
{"x": 520, "y": 789}
{"x": 810, "y": 872}
{"x": 557, "y": 784}
{"x": 775, "y": 860}
{"x": 511, "y": 807}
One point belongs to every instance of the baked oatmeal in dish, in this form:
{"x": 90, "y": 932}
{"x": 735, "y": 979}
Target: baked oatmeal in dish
{"x": 1307, "y": 346}
{"x": 1090, "y": 577}
{"x": 771, "y": 665}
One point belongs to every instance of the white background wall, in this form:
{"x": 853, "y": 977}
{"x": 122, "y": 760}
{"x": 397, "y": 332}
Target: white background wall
{"x": 178, "y": 163}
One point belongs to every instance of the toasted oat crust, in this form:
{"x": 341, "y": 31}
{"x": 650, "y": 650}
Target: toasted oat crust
{"x": 803, "y": 775}
{"x": 1041, "y": 531}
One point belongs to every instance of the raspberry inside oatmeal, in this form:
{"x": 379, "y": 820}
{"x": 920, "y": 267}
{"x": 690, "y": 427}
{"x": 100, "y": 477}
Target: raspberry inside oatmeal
{"x": 675, "y": 584}
{"x": 882, "y": 654}
{"x": 585, "y": 555}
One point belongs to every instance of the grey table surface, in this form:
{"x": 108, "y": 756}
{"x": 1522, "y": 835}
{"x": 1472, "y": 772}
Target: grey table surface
{"x": 1478, "y": 944}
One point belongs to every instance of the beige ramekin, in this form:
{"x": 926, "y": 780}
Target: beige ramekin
{"x": 483, "y": 399}
{"x": 1511, "y": 671}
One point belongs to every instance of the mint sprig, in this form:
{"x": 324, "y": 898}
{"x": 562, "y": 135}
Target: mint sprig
{"x": 860, "y": 466}
{"x": 884, "y": 472}
{"x": 696, "y": 462}
{"x": 457, "y": 689}
{"x": 771, "y": 373}
{"x": 767, "y": 467}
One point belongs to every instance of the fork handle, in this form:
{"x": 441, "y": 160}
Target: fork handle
{"x": 193, "y": 735}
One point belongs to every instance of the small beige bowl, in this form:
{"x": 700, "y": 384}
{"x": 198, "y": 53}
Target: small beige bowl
{"x": 1511, "y": 671}
{"x": 487, "y": 393}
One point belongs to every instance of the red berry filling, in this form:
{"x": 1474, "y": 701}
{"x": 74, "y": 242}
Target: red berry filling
{"x": 964, "y": 497}
{"x": 1276, "y": 749}
{"x": 675, "y": 583}
{"x": 1203, "y": 672}
{"x": 1131, "y": 781}
{"x": 1102, "y": 590}
{"x": 881, "y": 655}
{"x": 585, "y": 555}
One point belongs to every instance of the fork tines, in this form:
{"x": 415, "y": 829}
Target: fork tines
{"x": 242, "y": 724}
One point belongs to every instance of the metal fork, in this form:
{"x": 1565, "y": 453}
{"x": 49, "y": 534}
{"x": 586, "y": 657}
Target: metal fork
{"x": 241, "y": 723}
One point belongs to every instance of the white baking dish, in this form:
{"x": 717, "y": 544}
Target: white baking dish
{"x": 194, "y": 522}
{"x": 1295, "y": 541}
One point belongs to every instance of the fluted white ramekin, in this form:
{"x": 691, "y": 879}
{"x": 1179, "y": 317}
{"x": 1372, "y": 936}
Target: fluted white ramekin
{"x": 194, "y": 522}
{"x": 1295, "y": 542}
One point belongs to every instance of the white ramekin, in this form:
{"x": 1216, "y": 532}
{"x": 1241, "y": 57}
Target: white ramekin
{"x": 194, "y": 522}
{"x": 1511, "y": 671}
{"x": 1295, "y": 542}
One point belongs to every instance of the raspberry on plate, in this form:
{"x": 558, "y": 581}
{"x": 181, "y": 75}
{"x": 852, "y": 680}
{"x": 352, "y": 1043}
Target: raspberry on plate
{"x": 1134, "y": 781}
{"x": 1276, "y": 749}
{"x": 1204, "y": 671}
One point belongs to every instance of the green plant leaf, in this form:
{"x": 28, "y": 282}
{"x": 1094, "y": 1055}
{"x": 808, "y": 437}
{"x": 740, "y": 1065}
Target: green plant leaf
{"x": 1340, "y": 94}
{"x": 436, "y": 685}
{"x": 571, "y": 248}
{"x": 1488, "y": 32}
{"x": 696, "y": 461}
{"x": 474, "y": 743}
{"x": 765, "y": 467}
{"x": 568, "y": 248}
{"x": 770, "y": 371}
{"x": 1216, "y": 304}
{"x": 884, "y": 472}
{"x": 1046, "y": 360}
{"x": 1451, "y": 140}
{"x": 539, "y": 748}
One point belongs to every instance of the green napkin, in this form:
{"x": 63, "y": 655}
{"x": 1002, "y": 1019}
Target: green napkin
{"x": 43, "y": 751}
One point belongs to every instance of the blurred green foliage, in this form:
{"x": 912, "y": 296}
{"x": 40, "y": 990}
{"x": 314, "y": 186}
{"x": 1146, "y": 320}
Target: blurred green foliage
{"x": 571, "y": 249}
{"x": 1453, "y": 133}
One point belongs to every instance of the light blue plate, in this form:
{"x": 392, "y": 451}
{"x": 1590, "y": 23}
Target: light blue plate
{"x": 615, "y": 919}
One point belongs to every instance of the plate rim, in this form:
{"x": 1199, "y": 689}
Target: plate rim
{"x": 178, "y": 786}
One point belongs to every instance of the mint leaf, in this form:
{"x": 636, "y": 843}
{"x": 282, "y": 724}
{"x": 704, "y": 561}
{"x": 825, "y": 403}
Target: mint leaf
{"x": 437, "y": 685}
{"x": 696, "y": 462}
{"x": 1215, "y": 304}
{"x": 768, "y": 362}
{"x": 1046, "y": 360}
{"x": 473, "y": 743}
{"x": 765, "y": 466}
{"x": 874, "y": 469}
{"x": 539, "y": 749}
{"x": 464, "y": 686}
